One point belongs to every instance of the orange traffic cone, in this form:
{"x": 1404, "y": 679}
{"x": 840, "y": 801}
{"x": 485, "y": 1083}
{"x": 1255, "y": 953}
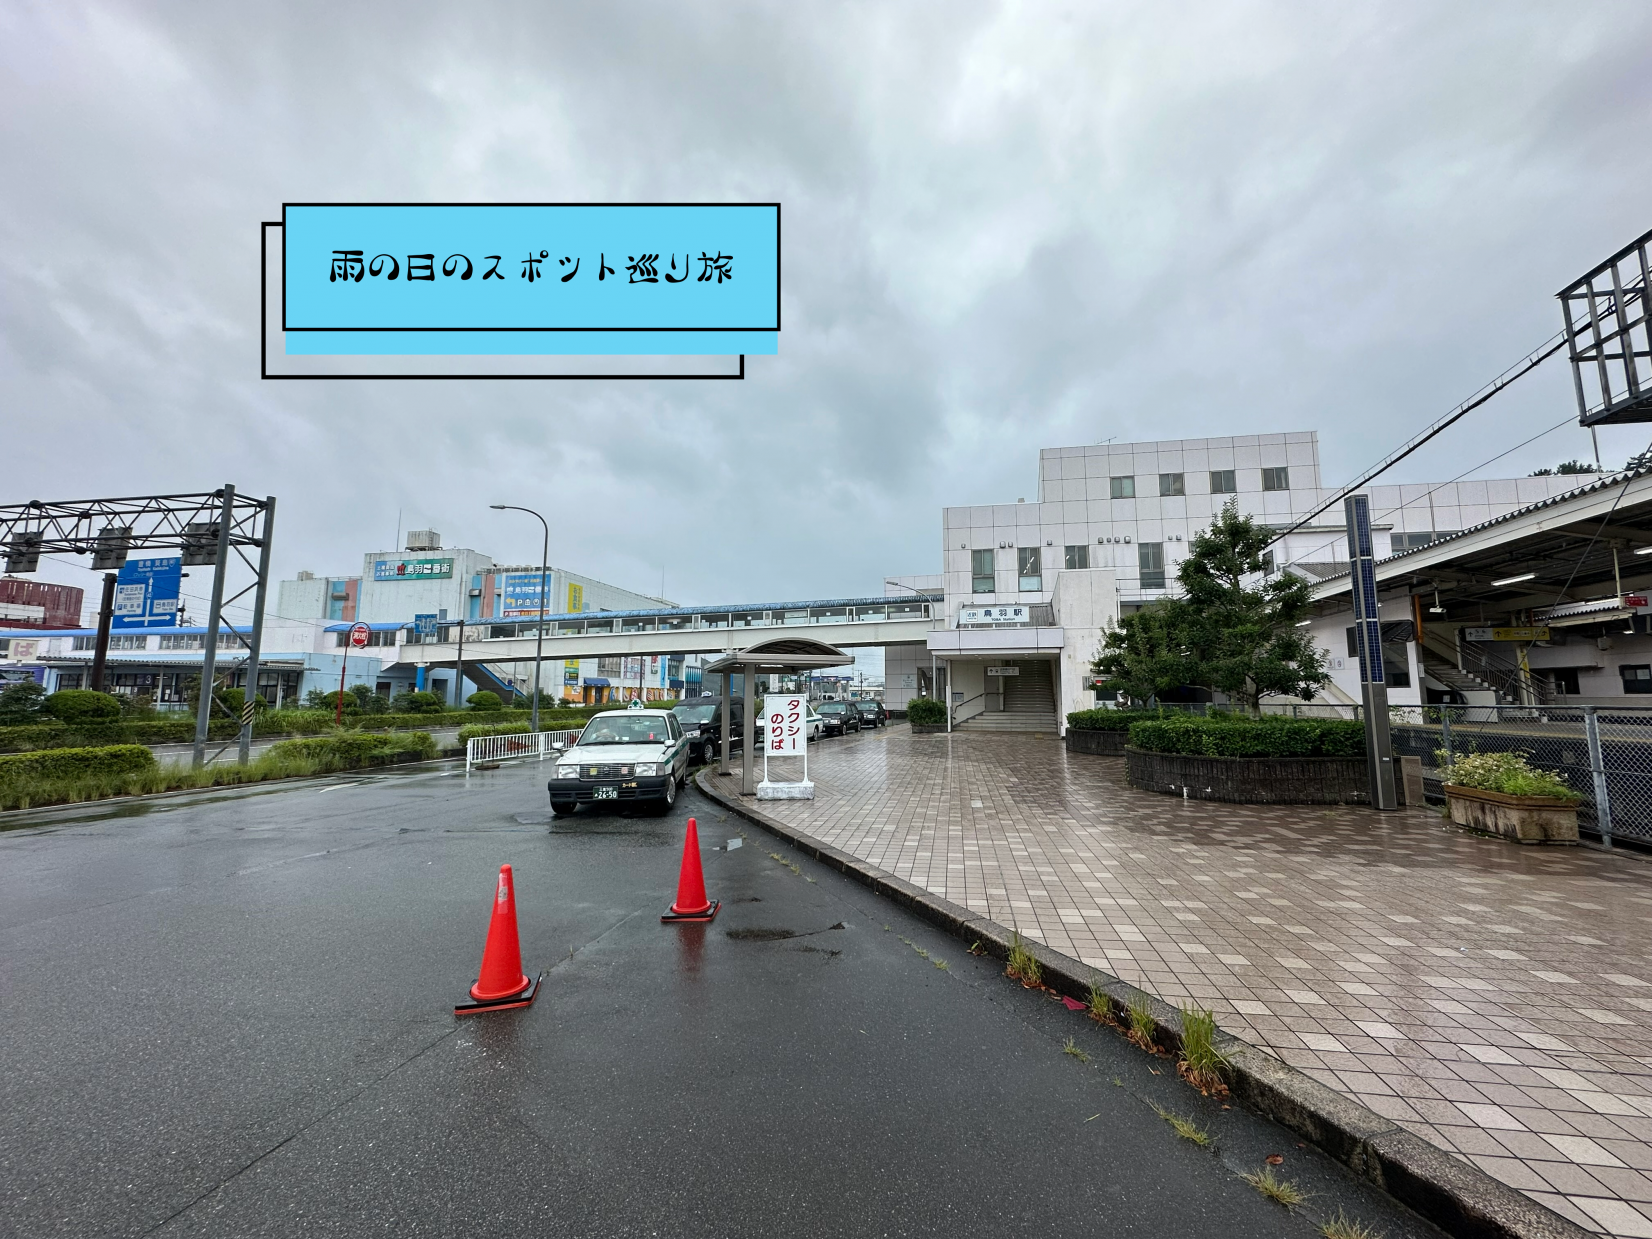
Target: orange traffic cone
{"x": 502, "y": 984}
{"x": 692, "y": 904}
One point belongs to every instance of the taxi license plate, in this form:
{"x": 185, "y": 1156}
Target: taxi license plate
{"x": 605, "y": 793}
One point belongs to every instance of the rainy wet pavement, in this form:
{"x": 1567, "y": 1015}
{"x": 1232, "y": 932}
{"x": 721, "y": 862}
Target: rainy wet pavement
{"x": 231, "y": 1014}
{"x": 1494, "y": 999}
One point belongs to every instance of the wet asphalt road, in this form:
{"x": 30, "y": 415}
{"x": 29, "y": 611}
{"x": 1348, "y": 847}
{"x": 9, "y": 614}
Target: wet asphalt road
{"x": 231, "y": 1014}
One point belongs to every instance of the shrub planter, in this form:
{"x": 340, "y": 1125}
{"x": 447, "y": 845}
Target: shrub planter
{"x": 1525, "y": 819}
{"x": 1091, "y": 740}
{"x": 1250, "y": 780}
{"x": 927, "y": 729}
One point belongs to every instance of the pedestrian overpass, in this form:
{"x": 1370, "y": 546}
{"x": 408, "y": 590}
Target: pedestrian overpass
{"x": 721, "y": 629}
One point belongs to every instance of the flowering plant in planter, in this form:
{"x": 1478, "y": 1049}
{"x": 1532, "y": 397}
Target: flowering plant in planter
{"x": 1507, "y": 773}
{"x": 1502, "y": 794}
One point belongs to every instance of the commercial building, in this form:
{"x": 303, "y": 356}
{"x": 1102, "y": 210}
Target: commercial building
{"x": 38, "y": 604}
{"x": 449, "y": 583}
{"x": 1030, "y": 586}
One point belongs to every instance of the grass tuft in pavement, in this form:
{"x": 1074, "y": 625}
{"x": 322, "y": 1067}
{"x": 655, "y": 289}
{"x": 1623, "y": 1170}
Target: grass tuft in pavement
{"x": 1185, "y": 1127}
{"x": 1344, "y": 1227}
{"x": 1101, "y": 1007}
{"x": 1142, "y": 1024}
{"x": 1071, "y": 1047}
{"x": 1022, "y": 966}
{"x": 1201, "y": 1062}
{"x": 1280, "y": 1191}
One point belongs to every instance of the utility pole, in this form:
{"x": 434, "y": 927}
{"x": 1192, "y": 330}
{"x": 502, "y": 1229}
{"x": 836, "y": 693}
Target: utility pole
{"x": 544, "y": 568}
{"x": 106, "y": 617}
{"x": 209, "y": 642}
{"x": 1379, "y": 752}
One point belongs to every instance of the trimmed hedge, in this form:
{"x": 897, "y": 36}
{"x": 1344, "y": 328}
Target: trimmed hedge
{"x": 925, "y": 712}
{"x": 1113, "y": 720}
{"x": 347, "y": 750}
{"x": 108, "y": 762}
{"x": 83, "y": 705}
{"x": 1233, "y": 736}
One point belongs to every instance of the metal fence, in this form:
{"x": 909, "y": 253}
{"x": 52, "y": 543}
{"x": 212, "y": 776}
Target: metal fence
{"x": 1604, "y": 753}
{"x": 538, "y": 744}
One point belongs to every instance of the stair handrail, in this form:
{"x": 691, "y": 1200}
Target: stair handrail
{"x": 1502, "y": 679}
{"x": 952, "y": 717}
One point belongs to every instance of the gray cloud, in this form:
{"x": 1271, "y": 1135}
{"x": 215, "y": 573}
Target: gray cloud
{"x": 1006, "y": 227}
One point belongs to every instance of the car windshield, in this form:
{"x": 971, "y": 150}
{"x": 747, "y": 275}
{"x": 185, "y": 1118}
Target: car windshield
{"x": 625, "y": 729}
{"x": 698, "y": 713}
{"x": 833, "y": 707}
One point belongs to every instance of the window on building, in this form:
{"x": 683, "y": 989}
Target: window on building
{"x": 1267, "y": 561}
{"x": 608, "y": 666}
{"x": 1150, "y": 559}
{"x": 1411, "y": 541}
{"x": 1276, "y": 477}
{"x": 1078, "y": 556}
{"x": 1172, "y": 484}
{"x": 182, "y": 641}
{"x": 980, "y": 571}
{"x": 86, "y": 643}
{"x": 1222, "y": 483}
{"x": 1121, "y": 488}
{"x": 1636, "y": 679}
{"x": 1028, "y": 570}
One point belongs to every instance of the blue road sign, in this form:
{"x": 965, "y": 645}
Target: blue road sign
{"x": 147, "y": 593}
{"x": 424, "y": 625}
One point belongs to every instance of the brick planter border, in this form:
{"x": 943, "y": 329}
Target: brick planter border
{"x": 1250, "y": 780}
{"x": 1102, "y": 743}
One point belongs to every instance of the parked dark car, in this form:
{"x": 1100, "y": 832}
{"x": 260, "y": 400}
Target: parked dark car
{"x": 872, "y": 714}
{"x": 839, "y": 717}
{"x": 702, "y": 720}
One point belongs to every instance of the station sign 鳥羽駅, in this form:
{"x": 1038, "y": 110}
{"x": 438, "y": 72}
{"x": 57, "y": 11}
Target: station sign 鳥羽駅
{"x": 1007, "y": 614}
{"x": 530, "y": 278}
{"x": 412, "y": 569}
{"x": 147, "y": 593}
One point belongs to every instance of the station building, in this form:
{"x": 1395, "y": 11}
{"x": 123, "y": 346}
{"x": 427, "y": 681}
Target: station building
{"x": 1030, "y": 586}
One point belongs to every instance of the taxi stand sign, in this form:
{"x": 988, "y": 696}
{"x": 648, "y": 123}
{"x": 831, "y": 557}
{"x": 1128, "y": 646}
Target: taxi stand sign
{"x": 786, "y": 734}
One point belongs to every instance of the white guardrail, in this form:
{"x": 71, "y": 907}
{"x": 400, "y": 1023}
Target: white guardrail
{"x": 479, "y": 749}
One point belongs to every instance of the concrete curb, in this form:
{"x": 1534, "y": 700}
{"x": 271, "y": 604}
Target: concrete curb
{"x": 1459, "y": 1198}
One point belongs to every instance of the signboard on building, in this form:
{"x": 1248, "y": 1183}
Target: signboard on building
{"x": 24, "y": 651}
{"x": 1003, "y": 670}
{"x": 785, "y": 731}
{"x": 570, "y": 673}
{"x": 576, "y": 598}
{"x": 519, "y": 595}
{"x": 425, "y": 625}
{"x": 1010, "y": 614}
{"x": 412, "y": 569}
{"x": 1506, "y": 634}
{"x": 147, "y": 593}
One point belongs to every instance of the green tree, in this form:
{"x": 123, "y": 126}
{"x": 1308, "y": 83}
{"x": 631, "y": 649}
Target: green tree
{"x": 1233, "y": 630}
{"x": 485, "y": 700}
{"x": 364, "y": 700}
{"x": 1149, "y": 653}
{"x": 417, "y": 703}
{"x": 22, "y": 703}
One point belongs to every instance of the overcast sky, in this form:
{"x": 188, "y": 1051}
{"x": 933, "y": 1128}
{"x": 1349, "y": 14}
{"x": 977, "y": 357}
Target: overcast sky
{"x": 1006, "y": 227}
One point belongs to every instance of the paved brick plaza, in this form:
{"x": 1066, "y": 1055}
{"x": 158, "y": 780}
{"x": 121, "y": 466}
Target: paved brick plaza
{"x": 1493, "y": 998}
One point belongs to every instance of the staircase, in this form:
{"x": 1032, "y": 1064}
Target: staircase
{"x": 1440, "y": 663}
{"x": 1029, "y": 703}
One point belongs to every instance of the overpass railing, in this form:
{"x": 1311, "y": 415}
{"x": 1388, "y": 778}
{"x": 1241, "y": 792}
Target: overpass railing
{"x": 599, "y": 624}
{"x": 488, "y": 750}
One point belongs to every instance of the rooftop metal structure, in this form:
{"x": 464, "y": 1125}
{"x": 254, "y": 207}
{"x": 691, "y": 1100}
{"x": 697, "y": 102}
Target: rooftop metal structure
{"x": 1609, "y": 337}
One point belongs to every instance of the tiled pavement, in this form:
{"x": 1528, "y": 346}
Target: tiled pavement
{"x": 1493, "y": 998}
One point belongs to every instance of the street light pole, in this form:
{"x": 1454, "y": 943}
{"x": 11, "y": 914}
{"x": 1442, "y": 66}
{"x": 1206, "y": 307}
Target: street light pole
{"x": 544, "y": 565}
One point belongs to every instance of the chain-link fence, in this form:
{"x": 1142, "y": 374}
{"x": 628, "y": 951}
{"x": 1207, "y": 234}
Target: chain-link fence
{"x": 1604, "y": 753}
